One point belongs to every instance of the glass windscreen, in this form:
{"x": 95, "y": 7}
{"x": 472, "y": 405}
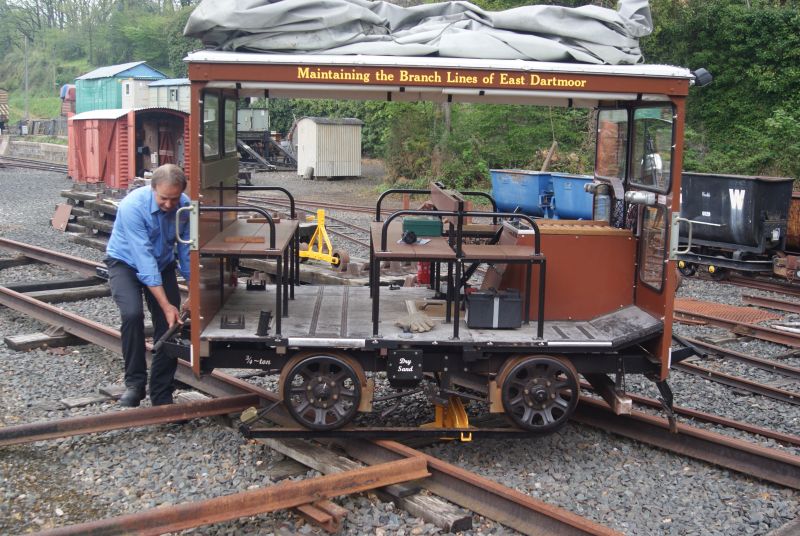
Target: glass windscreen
{"x": 230, "y": 127}
{"x": 612, "y": 141}
{"x": 210, "y": 126}
{"x": 652, "y": 148}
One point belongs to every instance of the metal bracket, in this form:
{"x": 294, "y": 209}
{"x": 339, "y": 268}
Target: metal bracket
{"x": 194, "y": 225}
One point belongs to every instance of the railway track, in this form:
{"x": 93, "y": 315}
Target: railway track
{"x": 28, "y": 163}
{"x": 481, "y": 495}
{"x": 220, "y": 384}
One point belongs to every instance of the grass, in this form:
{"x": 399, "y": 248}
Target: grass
{"x": 38, "y": 107}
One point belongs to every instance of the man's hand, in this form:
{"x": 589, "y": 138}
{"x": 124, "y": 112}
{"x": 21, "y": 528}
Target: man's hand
{"x": 172, "y": 315}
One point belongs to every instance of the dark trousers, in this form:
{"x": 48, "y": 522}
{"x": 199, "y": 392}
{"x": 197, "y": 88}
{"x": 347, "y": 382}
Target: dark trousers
{"x": 127, "y": 290}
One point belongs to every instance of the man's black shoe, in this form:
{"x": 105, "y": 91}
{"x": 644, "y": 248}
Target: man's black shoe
{"x": 131, "y": 398}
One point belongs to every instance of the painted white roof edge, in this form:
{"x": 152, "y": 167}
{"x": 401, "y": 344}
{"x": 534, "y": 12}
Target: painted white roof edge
{"x": 643, "y": 69}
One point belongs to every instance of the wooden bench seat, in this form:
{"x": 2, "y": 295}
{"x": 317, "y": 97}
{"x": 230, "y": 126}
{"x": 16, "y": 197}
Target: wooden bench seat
{"x": 248, "y": 239}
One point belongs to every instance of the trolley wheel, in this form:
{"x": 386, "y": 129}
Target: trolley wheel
{"x": 344, "y": 259}
{"x": 540, "y": 392}
{"x": 321, "y": 392}
{"x": 303, "y": 247}
{"x": 687, "y": 268}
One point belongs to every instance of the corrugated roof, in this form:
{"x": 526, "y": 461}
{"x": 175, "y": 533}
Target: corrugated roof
{"x": 113, "y": 70}
{"x": 170, "y": 82}
{"x": 113, "y": 113}
{"x": 335, "y": 120}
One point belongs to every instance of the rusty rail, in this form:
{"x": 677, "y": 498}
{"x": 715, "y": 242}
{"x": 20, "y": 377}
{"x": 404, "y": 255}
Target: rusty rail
{"x": 752, "y": 330}
{"x": 772, "y": 303}
{"x": 131, "y": 418}
{"x": 725, "y": 451}
{"x": 249, "y": 503}
{"x": 775, "y": 393}
{"x": 76, "y": 264}
{"x": 765, "y": 364}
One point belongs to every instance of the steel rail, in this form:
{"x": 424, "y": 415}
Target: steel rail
{"x": 752, "y": 330}
{"x": 288, "y": 494}
{"x": 702, "y": 416}
{"x": 76, "y": 264}
{"x": 740, "y": 383}
{"x": 761, "y": 284}
{"x": 765, "y": 364}
{"x": 742, "y": 456}
{"x": 132, "y": 418}
{"x": 474, "y": 492}
{"x": 221, "y": 384}
{"x": 772, "y": 303}
{"x": 83, "y": 328}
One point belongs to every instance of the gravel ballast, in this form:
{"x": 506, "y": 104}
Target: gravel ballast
{"x": 628, "y": 486}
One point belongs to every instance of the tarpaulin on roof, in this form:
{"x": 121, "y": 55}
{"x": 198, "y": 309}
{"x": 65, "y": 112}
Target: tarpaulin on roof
{"x": 589, "y": 34}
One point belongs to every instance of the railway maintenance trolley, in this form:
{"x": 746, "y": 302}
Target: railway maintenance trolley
{"x": 593, "y": 298}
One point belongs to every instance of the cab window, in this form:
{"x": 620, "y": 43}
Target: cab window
{"x": 210, "y": 126}
{"x": 230, "y": 127}
{"x": 652, "y": 143}
{"x": 612, "y": 143}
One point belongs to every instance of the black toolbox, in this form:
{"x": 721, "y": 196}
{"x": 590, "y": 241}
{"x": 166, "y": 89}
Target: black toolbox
{"x": 493, "y": 309}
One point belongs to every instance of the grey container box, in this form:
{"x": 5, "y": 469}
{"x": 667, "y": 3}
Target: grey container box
{"x": 491, "y": 309}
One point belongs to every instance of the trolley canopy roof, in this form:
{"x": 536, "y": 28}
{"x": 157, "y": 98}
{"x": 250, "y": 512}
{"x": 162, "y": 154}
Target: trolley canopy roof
{"x": 435, "y": 78}
{"x": 589, "y": 34}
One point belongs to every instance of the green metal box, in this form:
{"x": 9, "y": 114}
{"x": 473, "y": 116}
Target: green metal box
{"x": 423, "y": 225}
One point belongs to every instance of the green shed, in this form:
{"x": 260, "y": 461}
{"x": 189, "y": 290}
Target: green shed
{"x": 101, "y": 89}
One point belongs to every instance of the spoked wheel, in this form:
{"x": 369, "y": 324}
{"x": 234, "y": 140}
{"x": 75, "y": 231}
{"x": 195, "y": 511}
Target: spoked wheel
{"x": 321, "y": 392}
{"x": 540, "y": 392}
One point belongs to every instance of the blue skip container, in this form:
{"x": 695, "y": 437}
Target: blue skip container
{"x": 529, "y": 190}
{"x": 570, "y": 200}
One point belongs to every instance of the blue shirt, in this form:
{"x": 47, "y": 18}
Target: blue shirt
{"x": 143, "y": 236}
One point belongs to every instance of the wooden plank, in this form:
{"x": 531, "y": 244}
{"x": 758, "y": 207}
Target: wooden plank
{"x": 245, "y": 239}
{"x": 432, "y": 509}
{"x": 17, "y": 260}
{"x": 61, "y": 216}
{"x": 72, "y": 294}
{"x": 30, "y": 341}
{"x": 81, "y": 401}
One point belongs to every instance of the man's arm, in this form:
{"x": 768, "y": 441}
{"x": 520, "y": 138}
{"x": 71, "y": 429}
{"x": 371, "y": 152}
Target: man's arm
{"x": 170, "y": 311}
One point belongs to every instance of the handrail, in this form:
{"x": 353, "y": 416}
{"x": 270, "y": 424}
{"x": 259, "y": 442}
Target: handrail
{"x": 256, "y": 188}
{"x": 395, "y": 191}
{"x": 491, "y": 199}
{"x": 261, "y": 211}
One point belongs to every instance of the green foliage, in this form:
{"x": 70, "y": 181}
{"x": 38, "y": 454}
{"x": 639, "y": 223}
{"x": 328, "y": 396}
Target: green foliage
{"x": 741, "y": 121}
{"x": 38, "y": 107}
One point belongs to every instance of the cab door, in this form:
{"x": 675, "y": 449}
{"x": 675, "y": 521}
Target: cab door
{"x": 638, "y": 154}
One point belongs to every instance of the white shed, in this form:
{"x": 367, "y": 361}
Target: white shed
{"x": 329, "y": 147}
{"x": 170, "y": 93}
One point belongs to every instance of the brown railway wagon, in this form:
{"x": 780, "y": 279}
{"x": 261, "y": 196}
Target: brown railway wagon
{"x": 112, "y": 147}
{"x": 3, "y": 107}
{"x": 592, "y": 298}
